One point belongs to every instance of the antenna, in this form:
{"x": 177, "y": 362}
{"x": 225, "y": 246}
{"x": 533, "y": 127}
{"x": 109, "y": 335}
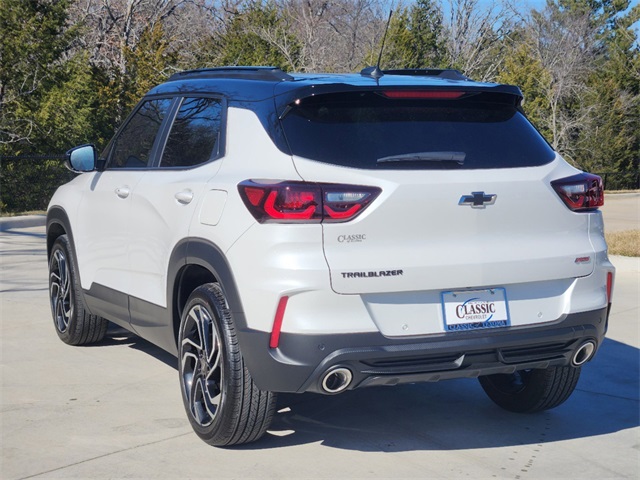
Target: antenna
{"x": 375, "y": 72}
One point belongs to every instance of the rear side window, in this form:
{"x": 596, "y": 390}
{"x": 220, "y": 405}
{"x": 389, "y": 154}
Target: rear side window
{"x": 369, "y": 130}
{"x": 195, "y": 135}
{"x": 133, "y": 144}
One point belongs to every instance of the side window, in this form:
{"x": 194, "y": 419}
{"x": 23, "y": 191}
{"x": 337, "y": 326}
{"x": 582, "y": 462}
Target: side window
{"x": 133, "y": 144}
{"x": 195, "y": 133}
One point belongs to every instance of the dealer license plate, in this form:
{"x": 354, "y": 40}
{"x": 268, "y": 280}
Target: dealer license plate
{"x": 475, "y": 309}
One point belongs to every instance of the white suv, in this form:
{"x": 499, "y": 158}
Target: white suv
{"x": 323, "y": 232}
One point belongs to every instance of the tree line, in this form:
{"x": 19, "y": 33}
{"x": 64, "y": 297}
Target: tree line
{"x": 71, "y": 70}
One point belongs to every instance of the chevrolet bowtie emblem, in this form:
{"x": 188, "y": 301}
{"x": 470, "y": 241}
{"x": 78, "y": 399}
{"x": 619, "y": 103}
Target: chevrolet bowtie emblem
{"x": 478, "y": 199}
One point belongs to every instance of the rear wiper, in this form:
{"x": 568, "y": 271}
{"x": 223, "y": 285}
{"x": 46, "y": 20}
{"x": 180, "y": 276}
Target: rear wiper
{"x": 457, "y": 157}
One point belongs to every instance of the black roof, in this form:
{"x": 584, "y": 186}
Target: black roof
{"x": 259, "y": 83}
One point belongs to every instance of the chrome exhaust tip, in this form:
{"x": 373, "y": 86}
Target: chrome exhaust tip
{"x": 336, "y": 380}
{"x": 583, "y": 353}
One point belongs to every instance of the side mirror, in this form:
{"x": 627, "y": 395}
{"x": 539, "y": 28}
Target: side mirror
{"x": 81, "y": 159}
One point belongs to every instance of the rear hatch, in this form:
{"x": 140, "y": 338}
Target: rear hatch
{"x": 466, "y": 199}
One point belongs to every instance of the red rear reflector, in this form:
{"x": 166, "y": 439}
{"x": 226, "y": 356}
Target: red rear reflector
{"x": 609, "y": 286}
{"x": 301, "y": 202}
{"x": 423, "y": 94}
{"x": 254, "y": 195}
{"x": 274, "y": 341}
{"x": 581, "y": 192}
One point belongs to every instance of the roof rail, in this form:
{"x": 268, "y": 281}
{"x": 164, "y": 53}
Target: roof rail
{"x": 246, "y": 73}
{"x": 448, "y": 73}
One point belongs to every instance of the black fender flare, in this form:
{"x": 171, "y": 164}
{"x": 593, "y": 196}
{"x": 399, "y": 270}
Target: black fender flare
{"x": 58, "y": 224}
{"x": 57, "y": 216}
{"x": 204, "y": 253}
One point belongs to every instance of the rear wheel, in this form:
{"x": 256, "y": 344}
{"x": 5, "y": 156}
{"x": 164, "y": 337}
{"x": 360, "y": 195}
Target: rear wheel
{"x": 528, "y": 391}
{"x": 222, "y": 402}
{"x": 74, "y": 325}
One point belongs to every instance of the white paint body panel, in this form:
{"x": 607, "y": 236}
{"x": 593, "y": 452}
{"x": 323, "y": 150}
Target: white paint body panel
{"x": 417, "y": 226}
{"x": 161, "y": 222}
{"x": 103, "y": 234}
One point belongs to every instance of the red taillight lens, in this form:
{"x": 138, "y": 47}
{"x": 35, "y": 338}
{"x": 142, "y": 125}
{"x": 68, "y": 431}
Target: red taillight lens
{"x": 291, "y": 205}
{"x": 254, "y": 195}
{"x": 282, "y": 202}
{"x": 274, "y": 339}
{"x": 296, "y": 202}
{"x": 609, "y": 286}
{"x": 422, "y": 94}
{"x": 580, "y": 192}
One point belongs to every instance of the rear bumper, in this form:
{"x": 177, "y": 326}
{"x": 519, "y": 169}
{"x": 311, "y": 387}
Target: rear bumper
{"x": 301, "y": 361}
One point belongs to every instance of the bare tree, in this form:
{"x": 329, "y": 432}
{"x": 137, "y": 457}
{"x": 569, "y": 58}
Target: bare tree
{"x": 564, "y": 42}
{"x": 112, "y": 30}
{"x": 475, "y": 37}
{"x": 335, "y": 35}
{"x": 113, "y": 26}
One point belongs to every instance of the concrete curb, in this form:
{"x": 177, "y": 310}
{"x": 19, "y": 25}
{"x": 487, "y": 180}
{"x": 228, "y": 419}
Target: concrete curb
{"x": 25, "y": 221}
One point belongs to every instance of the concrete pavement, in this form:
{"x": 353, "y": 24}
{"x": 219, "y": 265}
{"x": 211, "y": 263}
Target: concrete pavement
{"x": 114, "y": 410}
{"x": 23, "y": 221}
{"x": 621, "y": 211}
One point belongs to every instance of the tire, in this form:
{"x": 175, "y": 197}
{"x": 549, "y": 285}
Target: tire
{"x": 222, "y": 402}
{"x": 529, "y": 391}
{"x": 74, "y": 325}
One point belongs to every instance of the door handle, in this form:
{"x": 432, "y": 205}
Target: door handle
{"x": 123, "y": 192}
{"x": 184, "y": 197}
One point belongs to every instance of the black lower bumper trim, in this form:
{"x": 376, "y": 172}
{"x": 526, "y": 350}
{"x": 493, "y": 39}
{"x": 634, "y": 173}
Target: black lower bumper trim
{"x": 301, "y": 361}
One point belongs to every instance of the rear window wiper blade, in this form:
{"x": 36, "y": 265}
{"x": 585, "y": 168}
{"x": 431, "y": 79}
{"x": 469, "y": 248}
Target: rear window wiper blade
{"x": 457, "y": 157}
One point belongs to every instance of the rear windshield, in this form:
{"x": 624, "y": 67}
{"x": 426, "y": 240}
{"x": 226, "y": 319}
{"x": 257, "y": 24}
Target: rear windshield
{"x": 369, "y": 130}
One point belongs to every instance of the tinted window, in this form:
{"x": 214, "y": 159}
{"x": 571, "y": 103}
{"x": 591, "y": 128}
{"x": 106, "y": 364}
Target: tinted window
{"x": 133, "y": 145}
{"x": 358, "y": 129}
{"x": 195, "y": 133}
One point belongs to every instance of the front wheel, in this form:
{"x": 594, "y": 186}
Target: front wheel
{"x": 223, "y": 404}
{"x": 74, "y": 325}
{"x": 528, "y": 391}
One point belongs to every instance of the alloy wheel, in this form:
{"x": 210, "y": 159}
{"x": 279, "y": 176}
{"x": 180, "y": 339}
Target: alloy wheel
{"x": 60, "y": 291}
{"x": 201, "y": 365}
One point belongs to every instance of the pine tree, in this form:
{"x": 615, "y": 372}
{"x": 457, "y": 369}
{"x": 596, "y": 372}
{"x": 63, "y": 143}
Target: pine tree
{"x": 257, "y": 34}
{"x": 414, "y": 40}
{"x": 610, "y": 140}
{"x": 32, "y": 43}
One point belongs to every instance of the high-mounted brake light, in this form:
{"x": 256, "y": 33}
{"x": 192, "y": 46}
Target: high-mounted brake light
{"x": 581, "y": 192}
{"x": 302, "y": 202}
{"x": 423, "y": 94}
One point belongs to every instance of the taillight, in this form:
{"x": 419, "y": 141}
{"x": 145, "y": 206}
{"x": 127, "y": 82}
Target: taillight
{"x": 302, "y": 202}
{"x": 581, "y": 192}
{"x": 609, "y": 286}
